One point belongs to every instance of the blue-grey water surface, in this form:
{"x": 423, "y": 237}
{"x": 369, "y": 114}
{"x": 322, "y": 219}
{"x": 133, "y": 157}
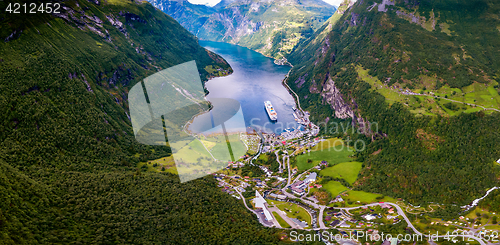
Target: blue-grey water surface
{"x": 255, "y": 79}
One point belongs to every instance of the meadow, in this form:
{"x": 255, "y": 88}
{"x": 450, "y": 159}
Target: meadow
{"x": 330, "y": 151}
{"x": 281, "y": 221}
{"x": 295, "y": 210}
{"x": 347, "y": 170}
{"x": 445, "y": 101}
{"x": 334, "y": 187}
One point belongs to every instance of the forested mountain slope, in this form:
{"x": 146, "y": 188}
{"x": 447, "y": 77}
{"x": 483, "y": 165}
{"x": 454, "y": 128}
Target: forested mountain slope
{"x": 67, "y": 153}
{"x": 425, "y": 74}
{"x": 272, "y": 28}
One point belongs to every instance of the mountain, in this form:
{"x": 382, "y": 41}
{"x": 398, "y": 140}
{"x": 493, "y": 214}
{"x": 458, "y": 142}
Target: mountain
{"x": 419, "y": 79}
{"x": 68, "y": 157}
{"x": 191, "y": 16}
{"x": 272, "y": 28}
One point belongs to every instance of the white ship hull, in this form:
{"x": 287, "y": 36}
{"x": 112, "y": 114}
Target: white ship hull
{"x": 270, "y": 111}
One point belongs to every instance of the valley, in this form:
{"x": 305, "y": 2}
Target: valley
{"x": 388, "y": 123}
{"x": 272, "y": 28}
{"x": 321, "y": 205}
{"x": 69, "y": 159}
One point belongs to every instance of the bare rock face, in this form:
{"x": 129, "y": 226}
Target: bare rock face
{"x": 331, "y": 95}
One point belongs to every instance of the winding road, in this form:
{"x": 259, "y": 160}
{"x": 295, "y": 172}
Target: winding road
{"x": 289, "y": 173}
{"x": 259, "y": 215}
{"x": 400, "y": 211}
{"x": 278, "y": 159}
{"x": 456, "y": 101}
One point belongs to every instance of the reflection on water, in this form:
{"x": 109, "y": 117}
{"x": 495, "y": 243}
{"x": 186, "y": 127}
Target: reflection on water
{"x": 255, "y": 79}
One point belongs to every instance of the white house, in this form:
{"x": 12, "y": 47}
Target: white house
{"x": 344, "y": 225}
{"x": 338, "y": 199}
{"x": 498, "y": 161}
{"x": 260, "y": 203}
{"x": 259, "y": 200}
{"x": 311, "y": 177}
{"x": 370, "y": 217}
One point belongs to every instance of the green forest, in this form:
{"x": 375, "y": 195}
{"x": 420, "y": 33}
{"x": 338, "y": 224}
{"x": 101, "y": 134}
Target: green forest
{"x": 420, "y": 158}
{"x": 68, "y": 157}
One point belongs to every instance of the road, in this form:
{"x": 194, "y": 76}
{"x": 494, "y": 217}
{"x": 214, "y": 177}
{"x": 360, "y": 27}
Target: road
{"x": 402, "y": 213}
{"x": 321, "y": 208}
{"x": 207, "y": 149}
{"x": 320, "y": 218}
{"x": 260, "y": 216}
{"x": 291, "y": 90}
{"x": 289, "y": 174}
{"x": 398, "y": 208}
{"x": 456, "y": 101}
{"x": 278, "y": 159}
{"x": 493, "y": 109}
{"x": 285, "y": 217}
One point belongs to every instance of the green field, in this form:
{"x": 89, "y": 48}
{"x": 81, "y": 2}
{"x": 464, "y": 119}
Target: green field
{"x": 281, "y": 221}
{"x": 342, "y": 168}
{"x": 220, "y": 150}
{"x": 366, "y": 197}
{"x": 346, "y": 170}
{"x": 295, "y": 210}
{"x": 217, "y": 145}
{"x": 263, "y": 157}
{"x": 328, "y": 143}
{"x": 333, "y": 155}
{"x": 193, "y": 159}
{"x": 334, "y": 187}
{"x": 478, "y": 94}
{"x": 165, "y": 162}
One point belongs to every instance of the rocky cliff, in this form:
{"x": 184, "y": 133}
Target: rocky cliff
{"x": 332, "y": 96}
{"x": 405, "y": 69}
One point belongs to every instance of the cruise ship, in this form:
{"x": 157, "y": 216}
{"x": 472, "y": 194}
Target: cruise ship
{"x": 270, "y": 111}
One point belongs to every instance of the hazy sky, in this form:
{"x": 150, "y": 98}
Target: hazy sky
{"x": 214, "y": 2}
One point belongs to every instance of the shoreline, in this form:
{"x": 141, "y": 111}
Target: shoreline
{"x": 285, "y": 63}
{"x": 283, "y": 83}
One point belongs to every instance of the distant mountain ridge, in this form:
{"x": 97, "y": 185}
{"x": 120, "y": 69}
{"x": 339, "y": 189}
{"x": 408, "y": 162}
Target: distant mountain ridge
{"x": 190, "y": 16}
{"x": 272, "y": 28}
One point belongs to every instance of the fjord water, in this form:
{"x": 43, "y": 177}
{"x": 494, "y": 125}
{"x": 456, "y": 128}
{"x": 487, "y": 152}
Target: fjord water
{"x": 255, "y": 79}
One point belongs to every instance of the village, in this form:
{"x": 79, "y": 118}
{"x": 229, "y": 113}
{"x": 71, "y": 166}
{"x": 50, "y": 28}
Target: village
{"x": 282, "y": 198}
